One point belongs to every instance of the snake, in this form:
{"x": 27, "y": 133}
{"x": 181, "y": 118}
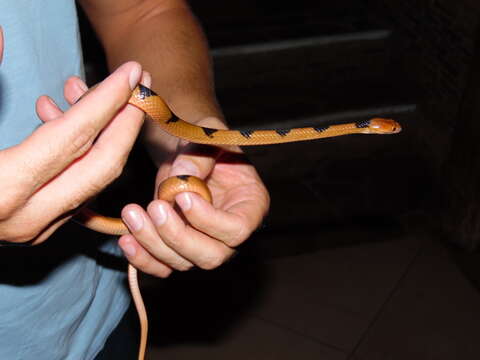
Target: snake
{"x": 157, "y": 111}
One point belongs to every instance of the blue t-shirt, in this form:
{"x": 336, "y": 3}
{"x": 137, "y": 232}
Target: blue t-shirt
{"x": 62, "y": 299}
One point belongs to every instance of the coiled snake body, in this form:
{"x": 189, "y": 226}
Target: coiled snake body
{"x": 149, "y": 102}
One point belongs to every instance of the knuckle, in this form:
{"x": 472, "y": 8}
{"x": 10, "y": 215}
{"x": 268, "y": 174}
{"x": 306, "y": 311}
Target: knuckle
{"x": 175, "y": 240}
{"x": 115, "y": 170}
{"x": 25, "y": 236}
{"x": 77, "y": 200}
{"x": 118, "y": 169}
{"x": 210, "y": 262}
{"x": 240, "y": 236}
{"x": 163, "y": 273}
{"x": 240, "y": 232}
{"x": 141, "y": 263}
{"x": 11, "y": 201}
{"x": 91, "y": 189}
{"x": 148, "y": 266}
{"x": 19, "y": 236}
{"x": 82, "y": 140}
{"x": 6, "y": 210}
{"x": 73, "y": 204}
{"x": 182, "y": 266}
{"x": 94, "y": 188}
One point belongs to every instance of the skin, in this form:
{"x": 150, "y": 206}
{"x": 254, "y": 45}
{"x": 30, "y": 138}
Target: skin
{"x": 59, "y": 167}
{"x": 165, "y": 38}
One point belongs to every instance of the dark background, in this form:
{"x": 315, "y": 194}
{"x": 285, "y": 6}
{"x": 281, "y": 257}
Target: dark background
{"x": 376, "y": 215}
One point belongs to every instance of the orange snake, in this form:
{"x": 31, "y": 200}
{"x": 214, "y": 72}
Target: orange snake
{"x": 149, "y": 102}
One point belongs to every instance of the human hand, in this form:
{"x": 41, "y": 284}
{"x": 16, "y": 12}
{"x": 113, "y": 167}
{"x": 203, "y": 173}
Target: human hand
{"x": 70, "y": 158}
{"x": 203, "y": 235}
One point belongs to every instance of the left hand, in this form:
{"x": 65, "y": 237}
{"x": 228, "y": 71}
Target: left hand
{"x": 161, "y": 240}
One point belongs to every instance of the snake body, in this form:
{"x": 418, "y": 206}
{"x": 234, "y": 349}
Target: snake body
{"x": 155, "y": 108}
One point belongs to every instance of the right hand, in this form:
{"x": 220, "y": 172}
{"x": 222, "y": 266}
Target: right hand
{"x": 69, "y": 159}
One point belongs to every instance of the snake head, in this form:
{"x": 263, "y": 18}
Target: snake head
{"x": 384, "y": 126}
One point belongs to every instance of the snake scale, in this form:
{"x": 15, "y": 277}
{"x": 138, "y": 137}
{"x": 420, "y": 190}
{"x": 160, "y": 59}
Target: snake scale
{"x": 155, "y": 108}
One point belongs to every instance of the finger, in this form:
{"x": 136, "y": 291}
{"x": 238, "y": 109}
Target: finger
{"x": 196, "y": 160}
{"x": 189, "y": 164}
{"x": 146, "y": 79}
{"x": 87, "y": 176}
{"x": 53, "y": 146}
{"x": 197, "y": 247}
{"x": 109, "y": 96}
{"x": 90, "y": 174}
{"x": 141, "y": 259}
{"x": 118, "y": 132}
{"x": 74, "y": 89}
{"x": 47, "y": 110}
{"x": 24, "y": 227}
{"x": 130, "y": 114}
{"x": 142, "y": 228}
{"x": 231, "y": 226}
{"x": 48, "y": 231}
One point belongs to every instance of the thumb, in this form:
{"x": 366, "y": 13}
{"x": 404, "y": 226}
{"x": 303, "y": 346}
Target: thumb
{"x": 195, "y": 159}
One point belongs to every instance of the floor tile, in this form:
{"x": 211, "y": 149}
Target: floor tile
{"x": 333, "y": 294}
{"x": 434, "y": 314}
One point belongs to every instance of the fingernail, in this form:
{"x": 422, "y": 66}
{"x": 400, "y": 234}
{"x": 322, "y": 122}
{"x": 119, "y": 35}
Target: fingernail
{"x": 146, "y": 79}
{"x": 184, "y": 167}
{"x": 184, "y": 200}
{"x": 135, "y": 75}
{"x": 159, "y": 214}
{"x": 51, "y": 101}
{"x": 129, "y": 249}
{"x": 134, "y": 220}
{"x": 81, "y": 85}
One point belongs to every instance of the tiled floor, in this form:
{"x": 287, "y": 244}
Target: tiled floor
{"x": 399, "y": 296}
{"x": 433, "y": 314}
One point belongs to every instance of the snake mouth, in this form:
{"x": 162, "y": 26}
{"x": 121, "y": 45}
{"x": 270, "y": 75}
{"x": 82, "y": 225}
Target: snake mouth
{"x": 396, "y": 127}
{"x": 390, "y": 126}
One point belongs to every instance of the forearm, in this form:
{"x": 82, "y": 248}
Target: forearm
{"x": 169, "y": 44}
